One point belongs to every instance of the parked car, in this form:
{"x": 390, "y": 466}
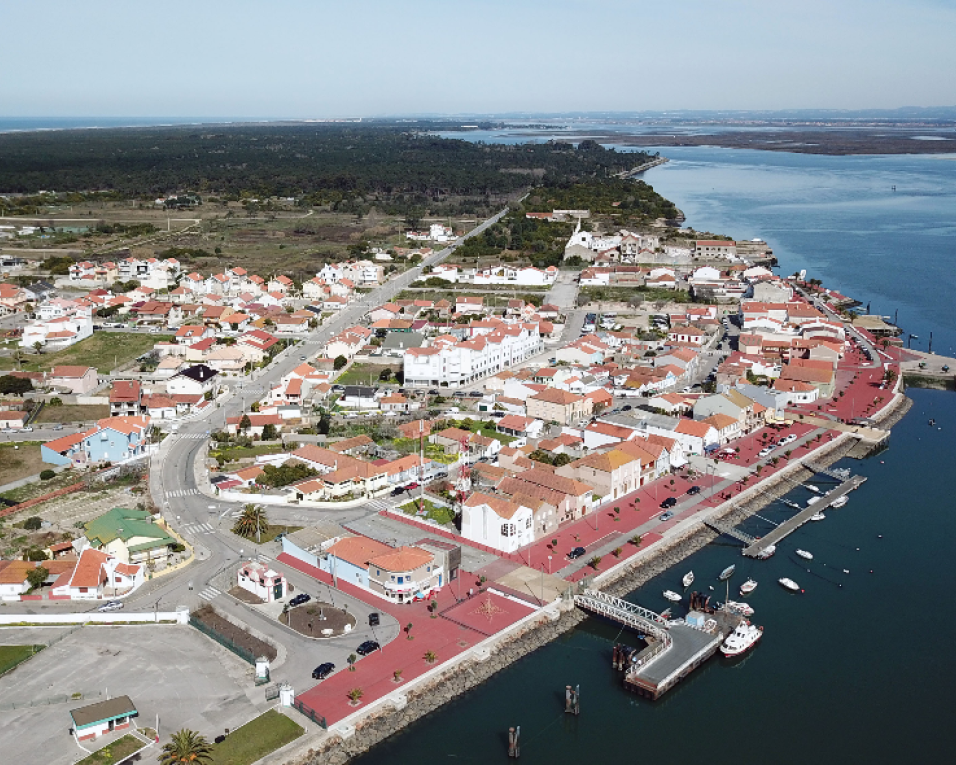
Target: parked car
{"x": 374, "y": 619}
{"x": 323, "y": 671}
{"x": 693, "y": 490}
{"x": 398, "y": 490}
{"x": 367, "y": 647}
{"x": 669, "y": 502}
{"x": 476, "y": 394}
{"x": 112, "y": 605}
{"x": 666, "y": 516}
{"x": 412, "y": 486}
{"x": 299, "y": 599}
{"x": 576, "y": 553}
{"x": 433, "y": 392}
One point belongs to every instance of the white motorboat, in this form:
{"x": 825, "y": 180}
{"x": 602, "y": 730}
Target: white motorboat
{"x": 811, "y": 487}
{"x": 766, "y": 552}
{"x": 789, "y": 584}
{"x": 748, "y": 587}
{"x": 744, "y": 609}
{"x": 727, "y": 572}
{"x": 840, "y": 501}
{"x": 804, "y": 554}
{"x": 688, "y": 579}
{"x": 818, "y": 517}
{"x": 671, "y": 596}
{"x": 741, "y": 639}
{"x": 812, "y": 501}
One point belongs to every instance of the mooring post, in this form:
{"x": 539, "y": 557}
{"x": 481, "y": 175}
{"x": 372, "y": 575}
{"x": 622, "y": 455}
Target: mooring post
{"x": 514, "y": 742}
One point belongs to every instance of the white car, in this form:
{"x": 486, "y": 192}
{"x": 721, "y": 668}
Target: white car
{"x": 112, "y": 605}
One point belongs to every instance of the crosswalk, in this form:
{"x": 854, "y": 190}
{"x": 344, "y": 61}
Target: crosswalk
{"x": 209, "y": 593}
{"x": 181, "y": 493}
{"x": 377, "y": 504}
{"x": 191, "y": 436}
{"x": 198, "y": 528}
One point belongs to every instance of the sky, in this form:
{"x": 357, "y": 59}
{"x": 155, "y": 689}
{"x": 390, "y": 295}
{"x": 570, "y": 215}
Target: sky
{"x": 300, "y": 59}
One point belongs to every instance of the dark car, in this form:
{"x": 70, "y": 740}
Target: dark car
{"x": 667, "y": 516}
{"x": 367, "y": 647}
{"x": 626, "y": 408}
{"x": 299, "y": 599}
{"x": 693, "y": 490}
{"x": 433, "y": 392}
{"x": 476, "y": 394}
{"x": 398, "y": 490}
{"x": 577, "y": 552}
{"x": 323, "y": 671}
{"x": 374, "y": 619}
{"x": 669, "y": 502}
{"x": 459, "y": 394}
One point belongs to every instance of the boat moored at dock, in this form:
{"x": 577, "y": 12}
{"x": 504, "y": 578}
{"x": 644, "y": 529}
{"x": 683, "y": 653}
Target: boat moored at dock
{"x": 748, "y": 587}
{"x": 688, "y": 579}
{"x": 744, "y": 609}
{"x": 840, "y": 501}
{"x": 672, "y": 596}
{"x": 789, "y": 584}
{"x": 727, "y": 572}
{"x": 804, "y": 554}
{"x": 741, "y": 640}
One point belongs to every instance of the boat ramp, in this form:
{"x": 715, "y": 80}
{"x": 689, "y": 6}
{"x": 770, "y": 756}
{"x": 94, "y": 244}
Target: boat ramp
{"x": 674, "y": 648}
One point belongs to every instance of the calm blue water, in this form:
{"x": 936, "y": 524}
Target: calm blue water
{"x": 860, "y": 668}
{"x": 9, "y": 124}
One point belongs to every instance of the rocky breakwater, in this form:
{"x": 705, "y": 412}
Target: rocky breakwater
{"x": 414, "y": 701}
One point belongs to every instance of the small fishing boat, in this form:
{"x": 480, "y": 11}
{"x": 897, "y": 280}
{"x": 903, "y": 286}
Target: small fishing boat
{"x": 811, "y": 487}
{"x": 840, "y": 501}
{"x": 727, "y": 572}
{"x": 744, "y": 609}
{"x": 766, "y": 552}
{"x": 818, "y": 517}
{"x": 789, "y": 584}
{"x": 804, "y": 554}
{"x": 665, "y": 614}
{"x": 812, "y": 501}
{"x": 741, "y": 639}
{"x": 748, "y": 587}
{"x": 672, "y": 596}
{"x": 688, "y": 579}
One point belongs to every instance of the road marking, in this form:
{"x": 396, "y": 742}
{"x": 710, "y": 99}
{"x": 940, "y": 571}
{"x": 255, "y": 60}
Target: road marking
{"x": 181, "y": 493}
{"x": 209, "y": 593}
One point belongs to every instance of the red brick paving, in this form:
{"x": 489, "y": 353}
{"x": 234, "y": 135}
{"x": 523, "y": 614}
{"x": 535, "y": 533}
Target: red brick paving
{"x": 446, "y": 638}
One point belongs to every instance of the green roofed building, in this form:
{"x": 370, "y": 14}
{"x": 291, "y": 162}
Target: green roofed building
{"x": 130, "y": 535}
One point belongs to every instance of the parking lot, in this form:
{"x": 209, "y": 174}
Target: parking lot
{"x": 171, "y": 671}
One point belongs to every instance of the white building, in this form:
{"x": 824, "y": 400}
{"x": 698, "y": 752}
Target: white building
{"x": 261, "y": 581}
{"x": 497, "y": 522}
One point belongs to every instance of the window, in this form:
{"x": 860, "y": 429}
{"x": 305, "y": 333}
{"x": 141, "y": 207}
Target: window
{"x": 527, "y": 523}
{"x": 507, "y": 529}
{"x": 401, "y": 580}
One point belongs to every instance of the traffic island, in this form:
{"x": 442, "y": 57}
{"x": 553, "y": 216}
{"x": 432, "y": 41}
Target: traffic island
{"x": 318, "y": 620}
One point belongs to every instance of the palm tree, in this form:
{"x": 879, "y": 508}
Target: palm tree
{"x": 186, "y": 746}
{"x": 251, "y": 523}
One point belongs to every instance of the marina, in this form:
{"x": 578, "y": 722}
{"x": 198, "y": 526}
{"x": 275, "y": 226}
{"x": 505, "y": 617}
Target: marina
{"x": 757, "y": 547}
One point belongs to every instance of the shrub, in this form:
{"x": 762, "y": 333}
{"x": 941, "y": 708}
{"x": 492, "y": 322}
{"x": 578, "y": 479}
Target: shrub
{"x": 430, "y": 656}
{"x": 46, "y": 475}
{"x": 355, "y": 695}
{"x": 33, "y": 523}
{"x": 595, "y": 562}
{"x": 616, "y": 552}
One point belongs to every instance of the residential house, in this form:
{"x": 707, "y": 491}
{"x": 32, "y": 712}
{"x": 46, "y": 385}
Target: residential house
{"x": 130, "y": 535}
{"x": 114, "y": 439}
{"x": 78, "y": 380}
{"x": 497, "y": 522}
{"x": 126, "y": 398}
{"x": 553, "y": 405}
{"x": 199, "y": 379}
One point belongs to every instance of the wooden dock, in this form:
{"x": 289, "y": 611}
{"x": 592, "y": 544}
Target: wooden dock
{"x": 788, "y": 527}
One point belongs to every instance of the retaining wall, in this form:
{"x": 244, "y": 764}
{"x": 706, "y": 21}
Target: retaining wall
{"x": 116, "y": 617}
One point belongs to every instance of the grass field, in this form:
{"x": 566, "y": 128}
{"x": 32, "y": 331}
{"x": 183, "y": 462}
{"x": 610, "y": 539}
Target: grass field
{"x": 11, "y": 655}
{"x": 115, "y": 752}
{"x": 20, "y": 463}
{"x": 73, "y": 413}
{"x": 272, "y": 531}
{"x": 443, "y": 515}
{"x": 367, "y": 374}
{"x": 256, "y": 739}
{"x": 104, "y": 350}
